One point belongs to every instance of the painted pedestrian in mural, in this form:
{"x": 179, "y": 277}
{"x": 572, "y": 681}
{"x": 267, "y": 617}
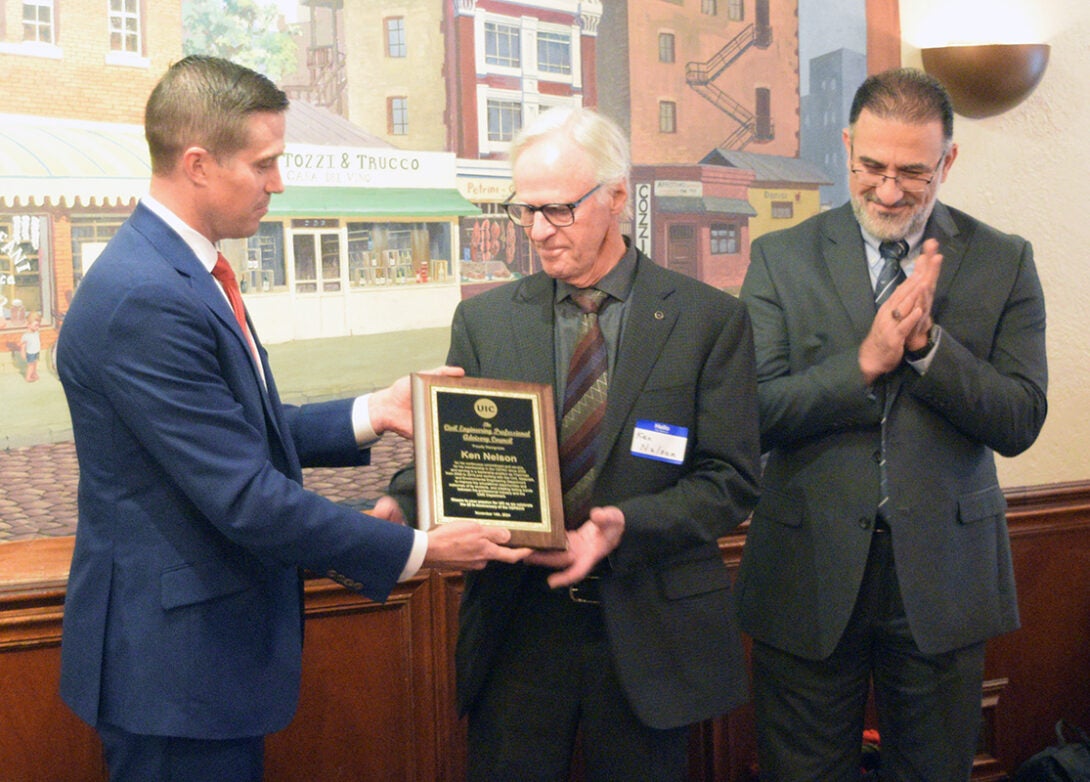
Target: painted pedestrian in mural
{"x": 30, "y": 346}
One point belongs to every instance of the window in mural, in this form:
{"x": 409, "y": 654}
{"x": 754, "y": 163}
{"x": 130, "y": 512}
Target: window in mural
{"x": 666, "y": 47}
{"x": 124, "y": 21}
{"x": 667, "y": 116}
{"x": 501, "y": 45}
{"x": 504, "y": 119}
{"x": 398, "y": 253}
{"x": 265, "y": 259}
{"x": 783, "y": 210}
{"x": 38, "y": 21}
{"x": 22, "y": 291}
{"x": 89, "y": 237}
{"x": 397, "y": 115}
{"x": 554, "y": 52}
{"x": 724, "y": 238}
{"x": 395, "y": 37}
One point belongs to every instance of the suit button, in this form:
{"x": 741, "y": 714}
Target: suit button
{"x": 877, "y": 456}
{"x": 864, "y": 523}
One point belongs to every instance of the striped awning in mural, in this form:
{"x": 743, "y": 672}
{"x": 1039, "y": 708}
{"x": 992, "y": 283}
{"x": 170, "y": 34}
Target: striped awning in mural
{"x": 46, "y": 161}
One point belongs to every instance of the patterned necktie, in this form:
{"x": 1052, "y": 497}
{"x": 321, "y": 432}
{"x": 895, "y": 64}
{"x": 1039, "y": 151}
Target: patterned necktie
{"x": 889, "y": 278}
{"x": 584, "y": 409}
{"x": 223, "y": 273}
{"x": 892, "y": 274}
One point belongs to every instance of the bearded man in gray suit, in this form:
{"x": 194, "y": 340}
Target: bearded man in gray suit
{"x": 628, "y": 636}
{"x": 879, "y": 550}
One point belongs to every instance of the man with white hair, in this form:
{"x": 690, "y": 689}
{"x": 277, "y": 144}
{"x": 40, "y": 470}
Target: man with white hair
{"x": 628, "y": 636}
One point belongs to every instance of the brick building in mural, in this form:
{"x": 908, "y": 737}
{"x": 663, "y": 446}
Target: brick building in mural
{"x": 707, "y": 89}
{"x": 86, "y": 59}
{"x": 75, "y": 79}
{"x": 464, "y": 76}
{"x": 686, "y": 77}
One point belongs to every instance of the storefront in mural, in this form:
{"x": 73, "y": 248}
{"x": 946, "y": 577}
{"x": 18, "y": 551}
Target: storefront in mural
{"x": 493, "y": 248}
{"x": 22, "y": 292}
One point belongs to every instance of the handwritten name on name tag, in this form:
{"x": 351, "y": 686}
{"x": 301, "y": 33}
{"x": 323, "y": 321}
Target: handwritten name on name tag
{"x": 662, "y": 442}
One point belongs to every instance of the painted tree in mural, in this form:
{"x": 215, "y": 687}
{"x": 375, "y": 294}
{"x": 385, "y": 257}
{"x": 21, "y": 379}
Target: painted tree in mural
{"x": 244, "y": 31}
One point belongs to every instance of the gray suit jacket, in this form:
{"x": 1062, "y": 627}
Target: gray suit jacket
{"x": 809, "y": 294}
{"x": 685, "y": 358}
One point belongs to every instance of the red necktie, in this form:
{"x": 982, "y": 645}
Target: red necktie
{"x": 223, "y": 272}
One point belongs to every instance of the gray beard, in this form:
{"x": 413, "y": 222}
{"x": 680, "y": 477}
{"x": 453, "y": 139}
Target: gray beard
{"x": 891, "y": 230}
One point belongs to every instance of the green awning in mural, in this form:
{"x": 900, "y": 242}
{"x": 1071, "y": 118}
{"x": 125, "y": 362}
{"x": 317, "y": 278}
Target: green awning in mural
{"x": 300, "y": 201}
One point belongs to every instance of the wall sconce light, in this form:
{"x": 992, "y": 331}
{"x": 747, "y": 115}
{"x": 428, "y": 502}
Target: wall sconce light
{"x": 988, "y": 79}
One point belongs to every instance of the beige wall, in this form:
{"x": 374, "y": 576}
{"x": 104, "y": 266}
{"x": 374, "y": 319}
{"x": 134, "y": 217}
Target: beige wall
{"x": 373, "y": 77}
{"x": 1028, "y": 172}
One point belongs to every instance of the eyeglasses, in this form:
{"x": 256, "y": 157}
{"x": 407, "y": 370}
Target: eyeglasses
{"x": 908, "y": 183}
{"x": 558, "y": 215}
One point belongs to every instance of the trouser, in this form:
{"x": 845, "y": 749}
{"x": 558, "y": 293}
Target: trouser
{"x": 810, "y": 712}
{"x": 554, "y": 681}
{"x": 133, "y": 757}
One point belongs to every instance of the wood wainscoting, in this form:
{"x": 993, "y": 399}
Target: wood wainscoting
{"x": 377, "y": 699}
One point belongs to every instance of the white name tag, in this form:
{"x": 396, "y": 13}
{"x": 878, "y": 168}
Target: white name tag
{"x": 662, "y": 442}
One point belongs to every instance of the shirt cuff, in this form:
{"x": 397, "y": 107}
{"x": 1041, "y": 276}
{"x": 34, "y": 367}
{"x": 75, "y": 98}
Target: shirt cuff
{"x": 416, "y": 555}
{"x": 361, "y": 421}
{"x": 923, "y": 364}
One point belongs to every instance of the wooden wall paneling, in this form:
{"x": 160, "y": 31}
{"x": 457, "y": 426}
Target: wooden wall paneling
{"x": 452, "y": 730}
{"x": 367, "y": 701}
{"x": 40, "y": 737}
{"x": 377, "y": 699}
{"x": 1047, "y": 660}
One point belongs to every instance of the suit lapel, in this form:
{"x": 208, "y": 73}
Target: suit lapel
{"x": 530, "y": 325}
{"x": 952, "y": 246}
{"x": 181, "y": 256}
{"x": 652, "y": 313}
{"x": 845, "y": 260}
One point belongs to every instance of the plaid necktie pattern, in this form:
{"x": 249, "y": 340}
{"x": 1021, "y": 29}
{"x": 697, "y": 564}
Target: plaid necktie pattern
{"x": 584, "y": 409}
{"x": 225, "y": 275}
{"x": 891, "y": 274}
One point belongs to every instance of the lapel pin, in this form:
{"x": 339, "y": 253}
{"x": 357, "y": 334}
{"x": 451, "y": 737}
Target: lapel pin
{"x": 659, "y": 314}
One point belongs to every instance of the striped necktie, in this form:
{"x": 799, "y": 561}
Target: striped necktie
{"x": 584, "y": 409}
{"x": 891, "y": 274}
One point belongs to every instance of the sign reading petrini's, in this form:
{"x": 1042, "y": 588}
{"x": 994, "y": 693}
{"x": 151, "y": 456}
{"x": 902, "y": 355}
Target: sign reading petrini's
{"x": 321, "y": 166}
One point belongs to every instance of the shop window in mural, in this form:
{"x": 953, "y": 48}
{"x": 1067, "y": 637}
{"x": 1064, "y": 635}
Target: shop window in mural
{"x": 264, "y": 260}
{"x": 89, "y": 236}
{"x": 21, "y": 248}
{"x": 493, "y": 248}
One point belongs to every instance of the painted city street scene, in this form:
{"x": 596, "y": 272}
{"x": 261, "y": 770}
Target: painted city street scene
{"x": 395, "y": 168}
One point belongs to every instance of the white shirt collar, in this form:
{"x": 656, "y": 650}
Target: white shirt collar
{"x": 205, "y": 251}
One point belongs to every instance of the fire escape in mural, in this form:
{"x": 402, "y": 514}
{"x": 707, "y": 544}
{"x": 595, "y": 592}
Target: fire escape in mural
{"x": 753, "y": 126}
{"x": 326, "y": 77}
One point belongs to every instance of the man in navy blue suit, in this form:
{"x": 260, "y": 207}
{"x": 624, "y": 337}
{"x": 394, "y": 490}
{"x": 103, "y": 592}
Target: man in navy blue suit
{"x": 183, "y": 622}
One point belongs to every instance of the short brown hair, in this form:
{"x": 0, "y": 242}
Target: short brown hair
{"x": 205, "y": 101}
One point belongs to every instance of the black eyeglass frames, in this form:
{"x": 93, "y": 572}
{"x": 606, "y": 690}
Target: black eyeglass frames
{"x": 559, "y": 215}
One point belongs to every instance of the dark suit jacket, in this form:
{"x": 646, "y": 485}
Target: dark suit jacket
{"x": 685, "y": 358}
{"x": 183, "y": 613}
{"x": 809, "y": 294}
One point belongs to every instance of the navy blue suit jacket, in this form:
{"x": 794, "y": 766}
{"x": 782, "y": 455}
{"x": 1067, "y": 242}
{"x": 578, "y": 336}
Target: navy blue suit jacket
{"x": 183, "y": 613}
